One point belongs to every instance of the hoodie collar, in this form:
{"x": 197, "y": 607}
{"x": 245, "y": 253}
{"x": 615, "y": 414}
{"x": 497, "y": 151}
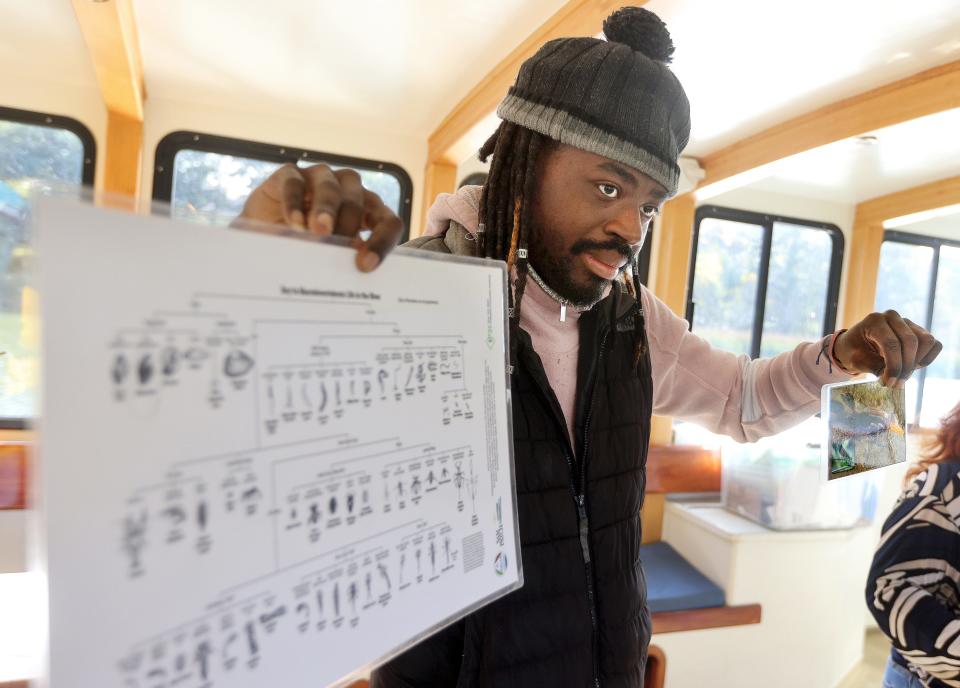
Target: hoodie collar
{"x": 462, "y": 206}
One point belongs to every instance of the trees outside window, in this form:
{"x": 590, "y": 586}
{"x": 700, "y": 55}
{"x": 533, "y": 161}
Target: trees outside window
{"x": 207, "y": 178}
{"x": 761, "y": 284}
{"x": 919, "y": 276}
{"x": 37, "y": 151}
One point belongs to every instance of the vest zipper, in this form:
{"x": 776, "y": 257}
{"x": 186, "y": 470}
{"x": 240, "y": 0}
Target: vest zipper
{"x": 584, "y": 518}
{"x": 578, "y": 488}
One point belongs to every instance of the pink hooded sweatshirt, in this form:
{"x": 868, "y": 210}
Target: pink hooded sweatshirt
{"x": 723, "y": 392}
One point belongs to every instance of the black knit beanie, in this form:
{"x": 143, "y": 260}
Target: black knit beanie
{"x": 616, "y": 97}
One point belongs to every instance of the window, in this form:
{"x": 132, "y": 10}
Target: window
{"x": 37, "y": 151}
{"x": 208, "y": 178}
{"x": 761, "y": 284}
{"x": 919, "y": 277}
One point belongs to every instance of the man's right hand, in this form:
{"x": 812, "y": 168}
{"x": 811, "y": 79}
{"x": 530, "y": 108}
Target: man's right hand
{"x": 319, "y": 201}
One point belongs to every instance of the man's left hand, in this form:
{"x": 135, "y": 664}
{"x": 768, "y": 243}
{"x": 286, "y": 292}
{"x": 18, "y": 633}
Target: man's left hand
{"x": 888, "y": 346}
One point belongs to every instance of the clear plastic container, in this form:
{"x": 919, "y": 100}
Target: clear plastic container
{"x": 777, "y": 483}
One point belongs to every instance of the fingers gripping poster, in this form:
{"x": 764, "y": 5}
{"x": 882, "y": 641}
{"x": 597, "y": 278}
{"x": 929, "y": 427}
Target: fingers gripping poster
{"x": 260, "y": 466}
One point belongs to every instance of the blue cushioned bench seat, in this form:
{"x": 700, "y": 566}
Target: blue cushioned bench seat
{"x": 672, "y": 582}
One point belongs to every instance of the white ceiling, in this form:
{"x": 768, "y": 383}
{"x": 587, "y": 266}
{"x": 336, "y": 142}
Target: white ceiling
{"x": 404, "y": 64}
{"x": 906, "y": 155}
{"x": 399, "y": 65}
{"x": 749, "y": 64}
{"x": 41, "y": 40}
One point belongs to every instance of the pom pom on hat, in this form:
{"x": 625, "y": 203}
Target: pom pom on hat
{"x": 641, "y": 30}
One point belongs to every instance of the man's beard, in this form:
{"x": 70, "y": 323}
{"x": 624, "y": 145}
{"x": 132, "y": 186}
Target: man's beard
{"x": 556, "y": 268}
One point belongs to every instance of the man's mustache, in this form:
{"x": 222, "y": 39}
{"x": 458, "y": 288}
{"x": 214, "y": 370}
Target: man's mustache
{"x": 620, "y": 246}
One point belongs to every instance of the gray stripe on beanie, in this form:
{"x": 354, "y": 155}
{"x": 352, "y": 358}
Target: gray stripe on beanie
{"x": 566, "y": 128}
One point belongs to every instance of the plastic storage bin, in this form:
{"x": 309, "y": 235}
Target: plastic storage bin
{"x": 777, "y": 483}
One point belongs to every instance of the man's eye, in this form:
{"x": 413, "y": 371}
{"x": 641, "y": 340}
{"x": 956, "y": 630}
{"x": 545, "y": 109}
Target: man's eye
{"x": 609, "y": 190}
{"x": 650, "y": 211}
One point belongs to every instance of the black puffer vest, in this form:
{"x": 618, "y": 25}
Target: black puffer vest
{"x": 581, "y": 618}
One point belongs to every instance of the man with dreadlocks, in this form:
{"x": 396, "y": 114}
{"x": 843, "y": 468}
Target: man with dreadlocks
{"x": 582, "y": 162}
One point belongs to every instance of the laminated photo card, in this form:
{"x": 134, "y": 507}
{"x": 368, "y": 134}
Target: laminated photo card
{"x": 865, "y": 424}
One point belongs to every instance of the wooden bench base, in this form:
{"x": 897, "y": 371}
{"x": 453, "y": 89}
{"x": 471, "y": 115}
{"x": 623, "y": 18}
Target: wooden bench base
{"x": 708, "y": 617}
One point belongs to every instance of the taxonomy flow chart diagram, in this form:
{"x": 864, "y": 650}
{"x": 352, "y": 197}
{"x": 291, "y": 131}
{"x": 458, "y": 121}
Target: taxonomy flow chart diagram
{"x": 258, "y": 462}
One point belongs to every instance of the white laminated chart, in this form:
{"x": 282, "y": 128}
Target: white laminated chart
{"x": 260, "y": 466}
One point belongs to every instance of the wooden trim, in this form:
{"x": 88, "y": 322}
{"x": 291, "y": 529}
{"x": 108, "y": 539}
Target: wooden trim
{"x": 937, "y": 194}
{"x": 655, "y": 674}
{"x": 651, "y": 517}
{"x": 16, "y": 436}
{"x": 672, "y": 259}
{"x": 13, "y": 475}
{"x": 673, "y": 256}
{"x": 576, "y": 18}
{"x": 926, "y": 93}
{"x": 862, "y": 271}
{"x": 675, "y": 468}
{"x": 111, "y": 36}
{"x": 661, "y": 431}
{"x": 110, "y": 32}
{"x": 121, "y": 175}
{"x": 681, "y": 468}
{"x": 868, "y": 238}
{"x": 663, "y": 259}
{"x": 438, "y": 178}
{"x": 708, "y": 617}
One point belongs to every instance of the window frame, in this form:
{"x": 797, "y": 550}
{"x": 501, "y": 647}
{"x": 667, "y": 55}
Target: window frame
{"x": 74, "y": 126}
{"x": 474, "y": 179}
{"x": 766, "y": 221}
{"x": 176, "y": 141}
{"x": 645, "y": 256}
{"x": 936, "y": 243}
{"x": 87, "y": 175}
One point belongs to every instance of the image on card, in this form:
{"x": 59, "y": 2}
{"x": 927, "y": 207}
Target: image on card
{"x": 866, "y": 427}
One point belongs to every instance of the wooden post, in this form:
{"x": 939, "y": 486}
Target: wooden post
{"x": 670, "y": 284}
{"x": 439, "y": 177}
{"x": 673, "y": 267}
{"x": 862, "y": 270}
{"x": 673, "y": 261}
{"x": 868, "y": 238}
{"x": 124, "y": 150}
{"x": 110, "y": 32}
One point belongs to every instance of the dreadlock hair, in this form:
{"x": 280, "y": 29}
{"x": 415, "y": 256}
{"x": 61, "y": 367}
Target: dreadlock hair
{"x": 504, "y": 227}
{"x": 505, "y": 218}
{"x": 639, "y": 322}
